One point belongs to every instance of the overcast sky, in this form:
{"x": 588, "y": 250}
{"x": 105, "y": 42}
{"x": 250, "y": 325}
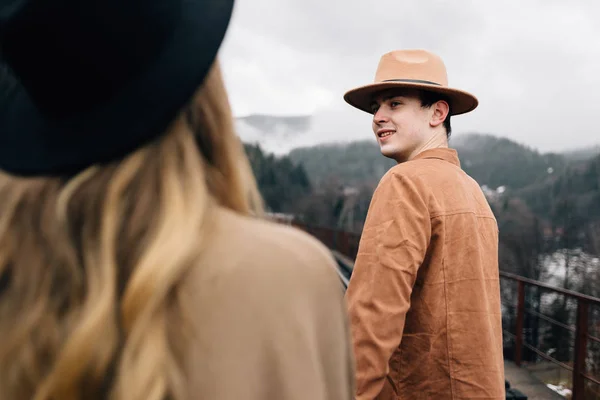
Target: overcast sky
{"x": 534, "y": 65}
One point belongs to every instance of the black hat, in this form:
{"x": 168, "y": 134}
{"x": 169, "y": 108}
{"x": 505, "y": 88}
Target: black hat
{"x": 88, "y": 81}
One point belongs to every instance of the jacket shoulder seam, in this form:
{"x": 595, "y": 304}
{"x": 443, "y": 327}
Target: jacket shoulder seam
{"x": 458, "y": 212}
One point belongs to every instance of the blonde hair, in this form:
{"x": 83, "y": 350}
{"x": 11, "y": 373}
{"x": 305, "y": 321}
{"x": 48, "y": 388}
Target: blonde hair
{"x": 90, "y": 267}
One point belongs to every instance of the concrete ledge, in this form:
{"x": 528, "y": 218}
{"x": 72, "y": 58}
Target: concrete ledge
{"x": 529, "y": 385}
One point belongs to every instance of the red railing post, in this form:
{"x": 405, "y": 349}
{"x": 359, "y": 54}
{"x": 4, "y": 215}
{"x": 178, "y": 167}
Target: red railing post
{"x": 520, "y": 318}
{"x": 336, "y": 240}
{"x": 581, "y": 334}
{"x": 343, "y": 243}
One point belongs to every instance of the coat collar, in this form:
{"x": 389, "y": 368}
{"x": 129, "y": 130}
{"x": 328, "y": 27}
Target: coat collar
{"x": 446, "y": 154}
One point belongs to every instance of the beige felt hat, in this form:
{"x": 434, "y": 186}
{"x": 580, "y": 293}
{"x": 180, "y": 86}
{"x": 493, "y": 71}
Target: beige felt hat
{"x": 416, "y": 69}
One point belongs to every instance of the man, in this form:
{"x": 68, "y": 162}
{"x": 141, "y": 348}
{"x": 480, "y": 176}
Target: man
{"x": 424, "y": 297}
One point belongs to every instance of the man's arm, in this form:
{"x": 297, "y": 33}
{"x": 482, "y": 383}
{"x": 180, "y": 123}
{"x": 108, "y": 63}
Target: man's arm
{"x": 392, "y": 248}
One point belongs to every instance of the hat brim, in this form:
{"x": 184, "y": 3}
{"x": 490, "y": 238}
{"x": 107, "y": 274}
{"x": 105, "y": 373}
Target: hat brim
{"x": 461, "y": 102}
{"x": 32, "y": 144}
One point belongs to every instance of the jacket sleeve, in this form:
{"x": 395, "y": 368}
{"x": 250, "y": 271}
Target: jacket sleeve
{"x": 392, "y": 248}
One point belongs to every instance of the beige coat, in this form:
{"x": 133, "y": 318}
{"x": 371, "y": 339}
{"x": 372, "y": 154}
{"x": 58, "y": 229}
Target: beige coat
{"x": 424, "y": 297}
{"x": 271, "y": 316}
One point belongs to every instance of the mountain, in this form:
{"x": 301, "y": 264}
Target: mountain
{"x": 349, "y": 164}
{"x": 553, "y": 198}
{"x": 281, "y": 182}
{"x": 285, "y": 188}
{"x": 491, "y": 161}
{"x": 577, "y": 188}
{"x": 561, "y": 189}
{"x": 582, "y": 154}
{"x": 495, "y": 162}
{"x": 282, "y": 134}
{"x": 275, "y": 134}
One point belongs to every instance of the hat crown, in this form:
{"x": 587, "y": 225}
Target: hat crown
{"x": 412, "y": 65}
{"x": 411, "y": 69}
{"x": 70, "y": 55}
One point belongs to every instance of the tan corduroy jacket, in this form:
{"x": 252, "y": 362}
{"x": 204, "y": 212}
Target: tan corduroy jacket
{"x": 424, "y": 297}
{"x": 269, "y": 314}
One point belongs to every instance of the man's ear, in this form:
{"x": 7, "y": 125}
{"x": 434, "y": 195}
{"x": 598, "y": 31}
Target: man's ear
{"x": 440, "y": 112}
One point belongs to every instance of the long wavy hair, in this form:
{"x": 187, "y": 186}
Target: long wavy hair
{"x": 91, "y": 265}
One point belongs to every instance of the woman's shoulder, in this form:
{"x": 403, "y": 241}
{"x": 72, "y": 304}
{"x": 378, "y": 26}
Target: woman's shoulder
{"x": 267, "y": 295}
{"x": 254, "y": 249}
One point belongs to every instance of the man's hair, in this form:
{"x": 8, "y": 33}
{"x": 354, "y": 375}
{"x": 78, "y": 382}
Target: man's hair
{"x": 430, "y": 98}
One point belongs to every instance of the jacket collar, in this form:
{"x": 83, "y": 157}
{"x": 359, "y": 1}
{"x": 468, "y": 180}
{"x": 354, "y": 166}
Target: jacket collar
{"x": 446, "y": 154}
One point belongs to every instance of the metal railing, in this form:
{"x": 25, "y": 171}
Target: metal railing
{"x": 580, "y": 330}
{"x": 344, "y": 242}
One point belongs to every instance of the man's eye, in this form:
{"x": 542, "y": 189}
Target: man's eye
{"x": 374, "y": 108}
{"x": 394, "y": 103}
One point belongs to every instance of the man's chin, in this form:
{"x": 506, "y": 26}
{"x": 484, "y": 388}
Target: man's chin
{"x": 393, "y": 154}
{"x": 387, "y": 152}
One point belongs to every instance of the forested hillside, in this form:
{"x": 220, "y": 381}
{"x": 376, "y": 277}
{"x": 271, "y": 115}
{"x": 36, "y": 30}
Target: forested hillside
{"x": 351, "y": 164}
{"x": 491, "y": 161}
{"x": 282, "y": 183}
{"x": 551, "y": 194}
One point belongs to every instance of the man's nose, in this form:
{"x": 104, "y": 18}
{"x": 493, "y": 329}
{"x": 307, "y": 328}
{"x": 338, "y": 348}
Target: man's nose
{"x": 380, "y": 117}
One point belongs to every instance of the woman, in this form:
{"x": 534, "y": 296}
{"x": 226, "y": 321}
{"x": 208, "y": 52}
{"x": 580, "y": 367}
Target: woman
{"x": 133, "y": 264}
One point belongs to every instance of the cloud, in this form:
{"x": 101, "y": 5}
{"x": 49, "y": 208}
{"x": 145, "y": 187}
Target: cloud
{"x": 533, "y": 65}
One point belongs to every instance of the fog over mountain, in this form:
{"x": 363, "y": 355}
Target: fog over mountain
{"x": 280, "y": 134}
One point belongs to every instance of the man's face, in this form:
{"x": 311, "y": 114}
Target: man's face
{"x": 401, "y": 125}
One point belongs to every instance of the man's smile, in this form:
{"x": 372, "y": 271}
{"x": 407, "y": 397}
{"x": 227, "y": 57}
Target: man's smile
{"x": 385, "y": 133}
